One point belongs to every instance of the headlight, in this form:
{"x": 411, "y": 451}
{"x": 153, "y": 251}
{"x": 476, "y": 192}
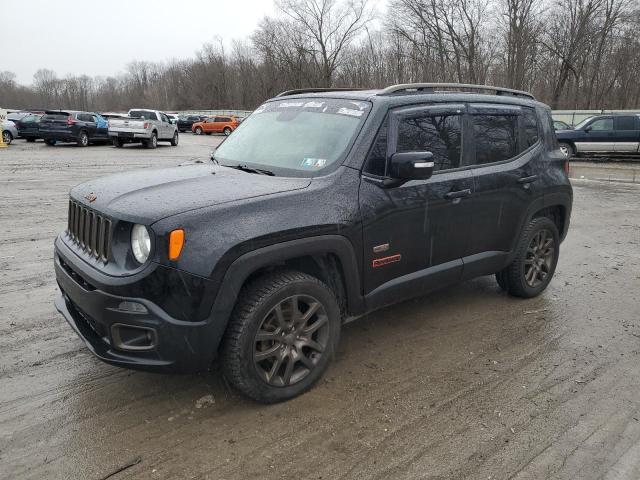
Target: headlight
{"x": 140, "y": 243}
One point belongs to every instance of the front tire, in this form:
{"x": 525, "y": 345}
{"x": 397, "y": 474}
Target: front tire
{"x": 282, "y": 335}
{"x": 535, "y": 262}
{"x": 30, "y": 140}
{"x": 51, "y": 143}
{"x": 7, "y": 137}
{"x": 118, "y": 143}
{"x": 567, "y": 149}
{"x": 198, "y": 131}
{"x": 175, "y": 140}
{"x": 227, "y": 131}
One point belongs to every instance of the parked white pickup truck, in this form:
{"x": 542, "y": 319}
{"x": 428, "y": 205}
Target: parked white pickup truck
{"x": 143, "y": 126}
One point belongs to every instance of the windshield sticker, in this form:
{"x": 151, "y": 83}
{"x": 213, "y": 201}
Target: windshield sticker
{"x": 361, "y": 105}
{"x": 314, "y": 104}
{"x": 290, "y": 104}
{"x": 350, "y": 112}
{"x": 313, "y": 162}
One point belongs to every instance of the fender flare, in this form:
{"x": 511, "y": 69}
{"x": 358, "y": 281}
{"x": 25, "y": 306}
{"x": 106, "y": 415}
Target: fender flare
{"x": 242, "y": 267}
{"x": 563, "y": 199}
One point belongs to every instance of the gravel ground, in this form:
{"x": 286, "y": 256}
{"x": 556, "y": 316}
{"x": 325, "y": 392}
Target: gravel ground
{"x": 464, "y": 383}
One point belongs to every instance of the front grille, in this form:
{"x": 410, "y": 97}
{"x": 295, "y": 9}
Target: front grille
{"x": 90, "y": 230}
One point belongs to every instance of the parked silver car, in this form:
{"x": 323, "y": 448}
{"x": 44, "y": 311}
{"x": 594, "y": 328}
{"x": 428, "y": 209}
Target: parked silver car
{"x": 9, "y": 131}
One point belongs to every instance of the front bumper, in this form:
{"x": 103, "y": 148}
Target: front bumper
{"x": 177, "y": 346}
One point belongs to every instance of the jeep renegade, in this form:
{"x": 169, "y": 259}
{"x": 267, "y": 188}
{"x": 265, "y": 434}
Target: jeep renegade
{"x": 322, "y": 206}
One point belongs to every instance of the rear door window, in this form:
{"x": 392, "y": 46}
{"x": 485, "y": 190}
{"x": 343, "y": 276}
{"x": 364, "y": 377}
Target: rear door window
{"x": 55, "y": 116}
{"x": 625, "y": 123}
{"x": 495, "y": 137}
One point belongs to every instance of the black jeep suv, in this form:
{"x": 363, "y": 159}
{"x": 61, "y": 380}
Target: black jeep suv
{"x": 322, "y": 206}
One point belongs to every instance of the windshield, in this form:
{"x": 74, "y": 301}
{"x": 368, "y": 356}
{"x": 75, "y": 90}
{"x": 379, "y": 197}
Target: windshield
{"x": 583, "y": 123}
{"x": 296, "y": 137}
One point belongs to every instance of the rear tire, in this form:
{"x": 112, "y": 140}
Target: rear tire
{"x": 281, "y": 336}
{"x": 198, "y": 131}
{"x": 530, "y": 272}
{"x": 51, "y": 143}
{"x": 118, "y": 143}
{"x": 175, "y": 140}
{"x": 7, "y": 137}
{"x": 227, "y": 131}
{"x": 30, "y": 140}
{"x": 153, "y": 141}
{"x": 83, "y": 139}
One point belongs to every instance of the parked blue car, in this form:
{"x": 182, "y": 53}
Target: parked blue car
{"x": 602, "y": 134}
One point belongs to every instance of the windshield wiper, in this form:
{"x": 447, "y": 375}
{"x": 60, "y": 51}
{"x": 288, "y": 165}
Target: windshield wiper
{"x": 248, "y": 169}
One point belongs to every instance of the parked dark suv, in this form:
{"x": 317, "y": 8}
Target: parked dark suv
{"x": 82, "y": 128}
{"x": 603, "y": 134}
{"x": 29, "y": 127}
{"x": 322, "y": 206}
{"x": 185, "y": 122}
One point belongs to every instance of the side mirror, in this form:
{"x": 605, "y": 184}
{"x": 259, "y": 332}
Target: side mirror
{"x": 588, "y": 128}
{"x": 411, "y": 165}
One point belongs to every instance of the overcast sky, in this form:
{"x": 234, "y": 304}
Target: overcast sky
{"x": 101, "y": 37}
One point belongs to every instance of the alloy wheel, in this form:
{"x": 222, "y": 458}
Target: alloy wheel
{"x": 6, "y": 137}
{"x": 290, "y": 341}
{"x": 539, "y": 258}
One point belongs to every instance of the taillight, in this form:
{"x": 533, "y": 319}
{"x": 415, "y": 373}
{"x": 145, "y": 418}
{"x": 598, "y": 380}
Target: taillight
{"x": 145, "y": 125}
{"x": 567, "y": 167}
{"x": 70, "y": 120}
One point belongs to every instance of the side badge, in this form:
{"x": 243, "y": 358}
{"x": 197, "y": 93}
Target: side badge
{"x": 381, "y": 248}
{"x": 381, "y": 262}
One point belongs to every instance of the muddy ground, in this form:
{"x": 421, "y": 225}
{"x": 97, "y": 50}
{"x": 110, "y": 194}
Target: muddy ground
{"x": 464, "y": 383}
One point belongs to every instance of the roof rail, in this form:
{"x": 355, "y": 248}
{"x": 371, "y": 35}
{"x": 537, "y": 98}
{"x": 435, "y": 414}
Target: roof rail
{"x": 439, "y": 87}
{"x": 315, "y": 90}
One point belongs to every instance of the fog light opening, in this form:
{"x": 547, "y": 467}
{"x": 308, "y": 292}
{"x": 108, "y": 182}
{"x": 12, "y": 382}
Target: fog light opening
{"x": 132, "y": 338}
{"x": 132, "y": 307}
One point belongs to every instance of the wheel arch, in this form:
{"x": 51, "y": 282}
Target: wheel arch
{"x": 330, "y": 258}
{"x": 556, "y": 206}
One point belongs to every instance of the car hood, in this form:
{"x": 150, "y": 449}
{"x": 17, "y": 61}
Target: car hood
{"x": 146, "y": 196}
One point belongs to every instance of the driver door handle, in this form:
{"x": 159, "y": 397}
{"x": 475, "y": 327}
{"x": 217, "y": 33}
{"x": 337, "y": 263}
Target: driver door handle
{"x": 529, "y": 179}
{"x": 459, "y": 194}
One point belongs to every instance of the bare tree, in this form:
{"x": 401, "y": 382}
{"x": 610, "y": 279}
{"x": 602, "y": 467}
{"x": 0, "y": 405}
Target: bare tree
{"x": 329, "y": 26}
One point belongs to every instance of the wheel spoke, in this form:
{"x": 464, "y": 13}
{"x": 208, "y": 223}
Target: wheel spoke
{"x": 313, "y": 308}
{"x": 288, "y": 369}
{"x": 322, "y": 320}
{"x": 280, "y": 316}
{"x": 295, "y": 311}
{"x": 306, "y": 361}
{"x": 313, "y": 345}
{"x": 263, "y": 336}
{"x": 274, "y": 368}
{"x": 268, "y": 353}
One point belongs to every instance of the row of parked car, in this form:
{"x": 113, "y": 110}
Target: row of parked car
{"x": 85, "y": 128}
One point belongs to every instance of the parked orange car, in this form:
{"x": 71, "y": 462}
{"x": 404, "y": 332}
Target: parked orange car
{"x": 211, "y": 125}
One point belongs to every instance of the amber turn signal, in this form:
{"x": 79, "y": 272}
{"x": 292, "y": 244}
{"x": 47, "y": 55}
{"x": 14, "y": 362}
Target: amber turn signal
{"x": 176, "y": 241}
